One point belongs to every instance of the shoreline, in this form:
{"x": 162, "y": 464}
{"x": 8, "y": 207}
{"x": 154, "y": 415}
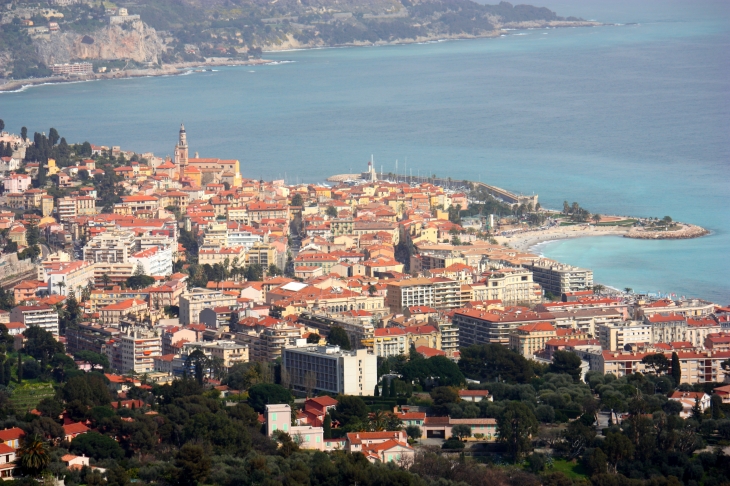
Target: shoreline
{"x": 176, "y": 69}
{"x": 529, "y": 240}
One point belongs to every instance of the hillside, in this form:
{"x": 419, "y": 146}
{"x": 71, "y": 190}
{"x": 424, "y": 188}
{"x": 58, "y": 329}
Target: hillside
{"x": 142, "y": 34}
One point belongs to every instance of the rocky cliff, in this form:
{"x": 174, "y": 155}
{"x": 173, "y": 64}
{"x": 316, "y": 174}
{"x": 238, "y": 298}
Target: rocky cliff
{"x": 134, "y": 40}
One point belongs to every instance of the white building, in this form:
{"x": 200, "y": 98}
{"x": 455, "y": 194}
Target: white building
{"x": 615, "y": 336}
{"x": 278, "y": 417}
{"x": 195, "y": 300}
{"x": 43, "y": 316}
{"x": 111, "y": 247}
{"x": 155, "y": 261}
{"x": 72, "y": 277}
{"x": 329, "y": 369}
{"x": 135, "y": 350}
{"x": 243, "y": 238}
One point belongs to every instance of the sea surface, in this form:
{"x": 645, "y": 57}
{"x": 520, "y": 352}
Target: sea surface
{"x": 630, "y": 119}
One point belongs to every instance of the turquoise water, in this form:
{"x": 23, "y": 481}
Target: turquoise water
{"x": 629, "y": 119}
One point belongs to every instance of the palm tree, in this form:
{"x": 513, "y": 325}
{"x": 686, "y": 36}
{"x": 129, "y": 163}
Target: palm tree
{"x": 596, "y": 218}
{"x": 61, "y": 284}
{"x": 598, "y": 288}
{"x": 628, "y": 290}
{"x": 33, "y": 455}
{"x": 377, "y": 421}
{"x": 106, "y": 279}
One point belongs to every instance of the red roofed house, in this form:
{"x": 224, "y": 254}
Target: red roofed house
{"x": 531, "y": 338}
{"x": 11, "y": 437}
{"x": 427, "y": 352}
{"x": 688, "y": 401}
{"x": 381, "y": 446}
{"x": 7, "y": 462}
{"x": 315, "y": 410}
{"x": 74, "y": 430}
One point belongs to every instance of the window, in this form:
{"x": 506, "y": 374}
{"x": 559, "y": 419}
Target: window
{"x": 273, "y": 416}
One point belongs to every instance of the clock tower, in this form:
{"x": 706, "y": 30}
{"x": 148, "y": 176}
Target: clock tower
{"x": 181, "y": 152}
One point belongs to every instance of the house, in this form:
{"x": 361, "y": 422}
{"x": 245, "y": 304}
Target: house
{"x": 688, "y": 401}
{"x": 7, "y": 462}
{"x": 475, "y": 395}
{"x": 391, "y": 446}
{"x": 440, "y": 427}
{"x": 11, "y": 437}
{"x": 315, "y": 410}
{"x": 73, "y": 430}
{"x": 724, "y": 393}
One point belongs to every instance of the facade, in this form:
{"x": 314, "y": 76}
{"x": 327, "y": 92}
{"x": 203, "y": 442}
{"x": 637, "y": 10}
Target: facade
{"x": 228, "y": 352}
{"x": 528, "y": 340}
{"x": 411, "y": 292}
{"x": 331, "y": 370}
{"x": 615, "y": 336}
{"x": 559, "y": 278}
{"x": 194, "y": 301}
{"x": 697, "y": 366}
{"x": 676, "y": 327}
{"x": 512, "y": 286}
{"x": 135, "y": 350}
{"x": 68, "y": 277}
{"x": 155, "y": 261}
{"x": 110, "y": 247}
{"x": 43, "y": 316}
{"x": 478, "y": 326}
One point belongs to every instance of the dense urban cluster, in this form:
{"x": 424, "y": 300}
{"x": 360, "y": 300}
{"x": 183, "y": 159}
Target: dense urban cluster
{"x": 169, "y": 321}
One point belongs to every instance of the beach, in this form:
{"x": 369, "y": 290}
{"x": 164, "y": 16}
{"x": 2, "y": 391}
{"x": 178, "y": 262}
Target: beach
{"x": 530, "y": 238}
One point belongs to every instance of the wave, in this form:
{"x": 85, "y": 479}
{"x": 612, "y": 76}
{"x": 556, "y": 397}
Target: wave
{"x": 276, "y": 63}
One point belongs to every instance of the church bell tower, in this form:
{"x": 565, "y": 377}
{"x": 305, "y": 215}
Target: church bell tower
{"x": 181, "y": 152}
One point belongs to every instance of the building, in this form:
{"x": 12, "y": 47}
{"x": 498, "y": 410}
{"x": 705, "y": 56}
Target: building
{"x": 531, "y": 338}
{"x": 112, "y": 314}
{"x": 440, "y": 427}
{"x": 7, "y": 462}
{"x": 72, "y": 68}
{"x": 689, "y": 400}
{"x": 194, "y": 301}
{"x": 278, "y": 418}
{"x": 155, "y": 261}
{"x": 65, "y": 278}
{"x": 667, "y": 328}
{"x": 512, "y": 286}
{"x": 616, "y": 336}
{"x": 43, "y": 316}
{"x": 381, "y": 446}
{"x": 135, "y": 350}
{"x": 697, "y": 366}
{"x": 229, "y": 353}
{"x": 328, "y": 369}
{"x": 111, "y": 247}
{"x": 559, "y": 278}
{"x": 479, "y": 326}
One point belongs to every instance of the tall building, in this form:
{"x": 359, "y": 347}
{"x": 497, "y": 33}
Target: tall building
{"x": 195, "y": 300}
{"x": 559, "y": 278}
{"x": 181, "y": 151}
{"x": 43, "y": 316}
{"x": 328, "y": 369}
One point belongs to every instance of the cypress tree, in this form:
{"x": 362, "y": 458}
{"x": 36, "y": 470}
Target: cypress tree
{"x": 377, "y": 391}
{"x": 676, "y": 369}
{"x": 8, "y": 372}
{"x": 327, "y": 426}
{"x": 393, "y": 393}
{"x": 20, "y": 367}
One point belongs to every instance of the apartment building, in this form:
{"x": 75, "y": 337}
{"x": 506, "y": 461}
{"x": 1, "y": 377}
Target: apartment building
{"x": 155, "y": 261}
{"x": 229, "y": 353}
{"x": 211, "y": 256}
{"x": 687, "y": 308}
{"x": 512, "y": 286}
{"x": 559, "y": 278}
{"x": 66, "y": 277}
{"x": 111, "y": 247}
{"x": 263, "y": 254}
{"x": 394, "y": 341}
{"x": 615, "y": 336}
{"x": 328, "y": 369}
{"x": 194, "y": 301}
{"x": 697, "y": 366}
{"x": 676, "y": 327}
{"x": 586, "y": 320}
{"x": 71, "y": 207}
{"x": 89, "y": 337}
{"x": 266, "y": 344}
{"x": 135, "y": 349}
{"x": 479, "y": 326}
{"x": 117, "y": 273}
{"x": 531, "y": 338}
{"x": 43, "y": 316}
{"x": 410, "y": 292}
{"x": 360, "y": 332}
{"x": 112, "y": 314}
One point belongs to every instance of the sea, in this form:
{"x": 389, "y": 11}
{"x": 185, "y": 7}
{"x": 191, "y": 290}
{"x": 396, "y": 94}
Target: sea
{"x": 631, "y": 118}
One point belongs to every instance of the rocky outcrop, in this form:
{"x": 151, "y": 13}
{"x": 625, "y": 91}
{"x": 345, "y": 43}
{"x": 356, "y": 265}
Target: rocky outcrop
{"x": 682, "y": 232}
{"x": 134, "y": 41}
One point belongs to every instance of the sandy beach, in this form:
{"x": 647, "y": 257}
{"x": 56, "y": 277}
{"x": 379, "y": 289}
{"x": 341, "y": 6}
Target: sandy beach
{"x": 528, "y": 239}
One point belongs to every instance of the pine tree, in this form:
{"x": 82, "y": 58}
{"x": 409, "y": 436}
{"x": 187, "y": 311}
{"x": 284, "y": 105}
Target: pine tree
{"x": 20, "y": 367}
{"x": 8, "y": 373}
{"x": 696, "y": 412}
{"x": 676, "y": 369}
{"x": 393, "y": 393}
{"x": 327, "y": 426}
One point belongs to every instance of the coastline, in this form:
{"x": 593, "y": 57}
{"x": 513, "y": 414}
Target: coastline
{"x": 175, "y": 69}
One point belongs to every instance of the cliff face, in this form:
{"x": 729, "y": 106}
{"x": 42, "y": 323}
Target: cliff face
{"x": 136, "y": 41}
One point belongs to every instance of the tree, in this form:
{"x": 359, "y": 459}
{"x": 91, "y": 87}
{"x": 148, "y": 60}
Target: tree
{"x": 565, "y": 362}
{"x": 267, "y": 393}
{"x": 105, "y": 280}
{"x": 140, "y": 281}
{"x": 716, "y": 407}
{"x": 331, "y": 211}
{"x": 2, "y": 125}
{"x": 350, "y": 410}
{"x": 327, "y": 426}
{"x": 617, "y": 447}
{"x": 24, "y": 133}
{"x": 494, "y": 362}
{"x": 338, "y": 337}
{"x": 96, "y": 445}
{"x": 192, "y": 465}
{"x": 200, "y": 364}
{"x": 657, "y": 363}
{"x": 50, "y": 407}
{"x": 676, "y": 369}
{"x": 515, "y": 426}
{"x": 414, "y": 432}
{"x": 297, "y": 200}
{"x": 461, "y": 431}
{"x": 313, "y": 338}
{"x": 442, "y": 396}
{"x": 696, "y": 412}
{"x": 596, "y": 218}
{"x": 41, "y": 345}
{"x": 33, "y": 456}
